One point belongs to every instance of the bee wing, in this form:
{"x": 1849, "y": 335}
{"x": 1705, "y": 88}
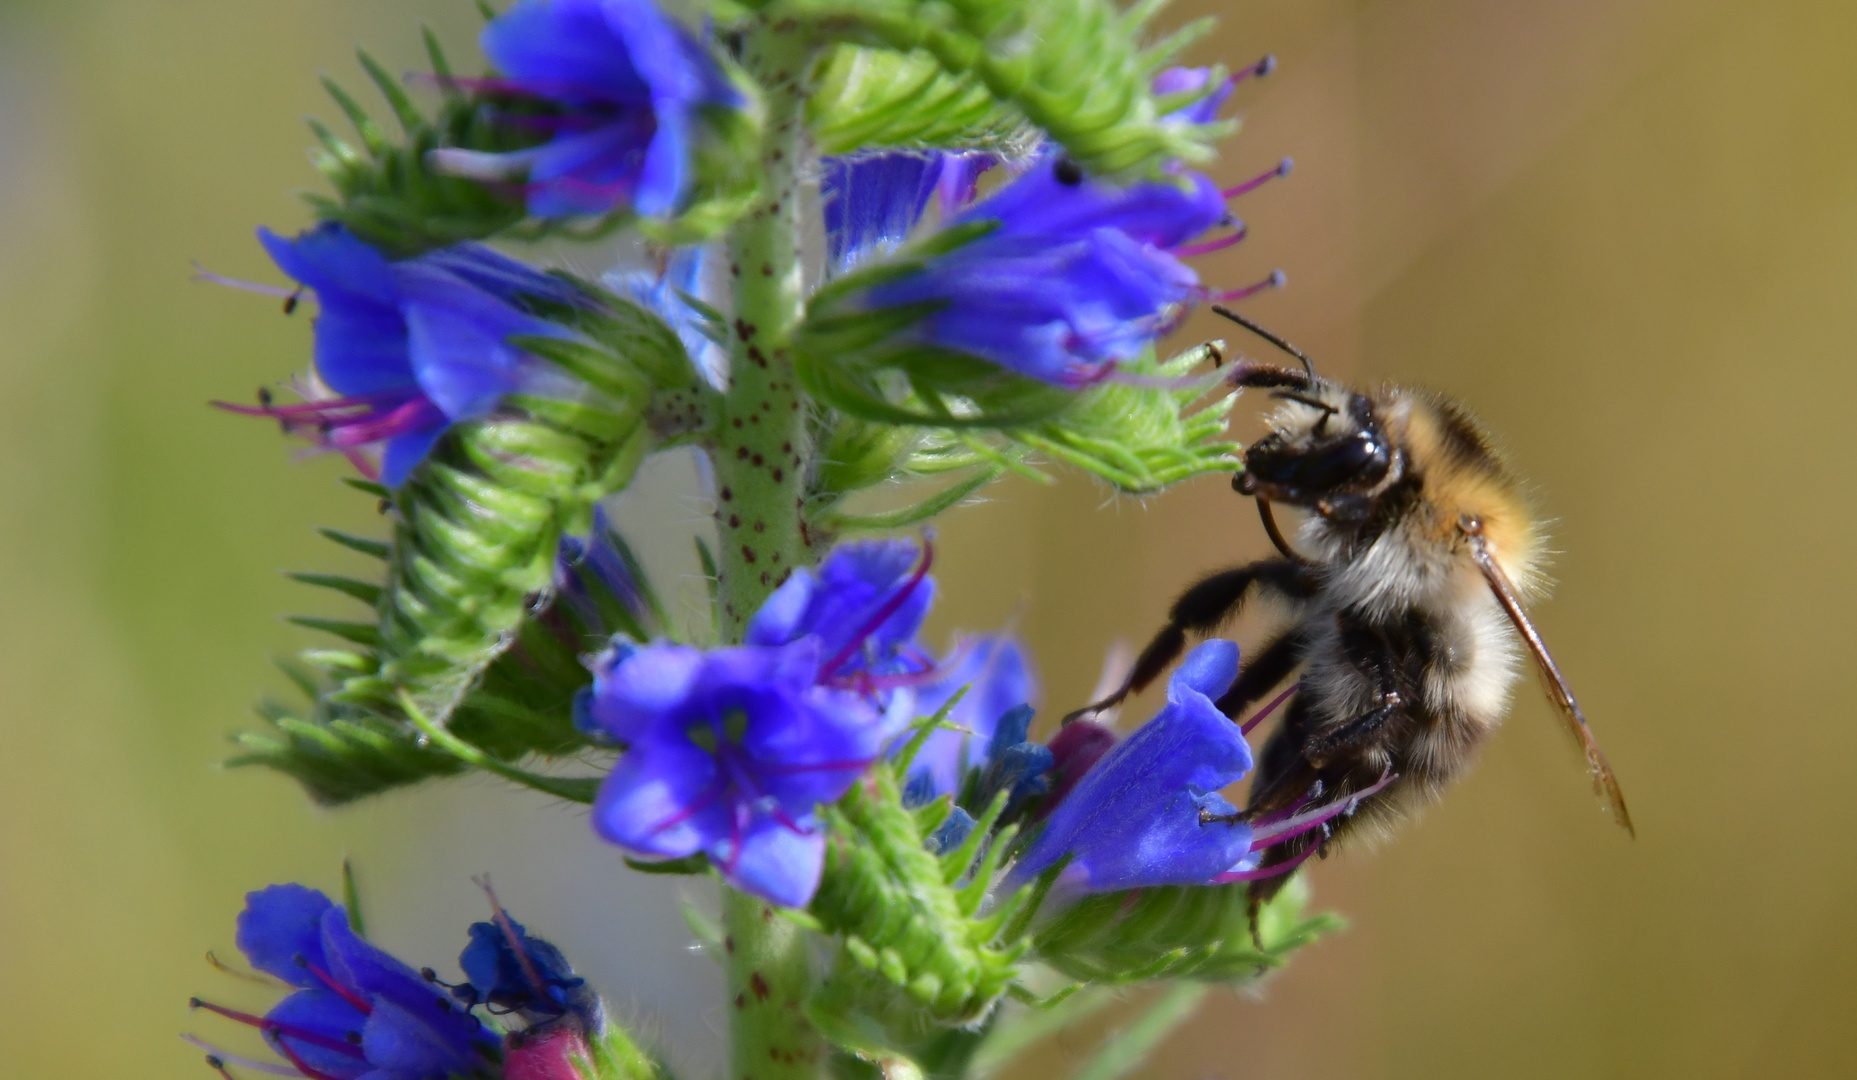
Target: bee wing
{"x": 1605, "y": 785}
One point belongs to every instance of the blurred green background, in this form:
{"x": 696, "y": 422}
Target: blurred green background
{"x": 1624, "y": 231}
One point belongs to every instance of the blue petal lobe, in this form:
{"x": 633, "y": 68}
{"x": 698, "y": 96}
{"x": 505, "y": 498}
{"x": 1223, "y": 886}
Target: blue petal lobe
{"x": 279, "y": 924}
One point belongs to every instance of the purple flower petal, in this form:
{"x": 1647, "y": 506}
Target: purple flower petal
{"x": 316, "y": 1026}
{"x": 279, "y": 924}
{"x": 1133, "y": 820}
{"x": 998, "y": 675}
{"x": 630, "y": 80}
{"x": 775, "y": 862}
{"x": 663, "y": 800}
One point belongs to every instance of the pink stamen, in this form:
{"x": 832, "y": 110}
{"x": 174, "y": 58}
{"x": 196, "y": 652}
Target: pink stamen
{"x": 1282, "y": 169}
{"x": 268, "y": 1067}
{"x": 890, "y": 607}
{"x": 787, "y": 822}
{"x": 417, "y": 413}
{"x": 1207, "y": 247}
{"x": 1276, "y": 280}
{"x": 201, "y": 273}
{"x": 1314, "y": 793}
{"x": 1314, "y": 819}
{"x": 1263, "y": 714}
{"x": 698, "y": 805}
{"x": 1258, "y": 70}
{"x": 509, "y": 935}
{"x": 272, "y": 1027}
{"x": 870, "y": 683}
{"x": 1263, "y": 872}
{"x": 343, "y": 424}
{"x": 610, "y": 189}
{"x": 362, "y": 464}
{"x": 360, "y": 1003}
{"x": 303, "y": 1067}
{"x": 322, "y": 409}
{"x": 736, "y": 830}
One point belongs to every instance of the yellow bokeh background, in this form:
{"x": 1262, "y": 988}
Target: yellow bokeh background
{"x": 1623, "y": 231}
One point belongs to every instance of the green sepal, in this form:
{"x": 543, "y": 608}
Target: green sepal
{"x": 689, "y": 864}
{"x": 913, "y": 954}
{"x": 461, "y": 619}
{"x": 1178, "y": 932}
{"x": 340, "y": 753}
{"x": 1141, "y": 437}
{"x": 615, "y": 1055}
{"x": 866, "y": 99}
{"x": 387, "y": 193}
{"x": 1075, "y": 69}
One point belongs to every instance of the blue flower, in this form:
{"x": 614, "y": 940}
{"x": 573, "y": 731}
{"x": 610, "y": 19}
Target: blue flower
{"x": 358, "y": 1012}
{"x": 728, "y": 753}
{"x": 508, "y": 968}
{"x": 596, "y": 579}
{"x": 626, "y": 84}
{"x": 1015, "y": 763}
{"x": 1075, "y": 275}
{"x": 657, "y": 291}
{"x": 872, "y": 202}
{"x": 998, "y": 677}
{"x": 408, "y": 348}
{"x": 1134, "y": 819}
{"x": 864, "y": 605}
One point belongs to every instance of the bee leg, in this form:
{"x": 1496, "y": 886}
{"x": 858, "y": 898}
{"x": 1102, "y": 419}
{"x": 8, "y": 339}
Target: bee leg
{"x": 1199, "y": 610}
{"x": 1320, "y": 748}
{"x": 1269, "y": 667}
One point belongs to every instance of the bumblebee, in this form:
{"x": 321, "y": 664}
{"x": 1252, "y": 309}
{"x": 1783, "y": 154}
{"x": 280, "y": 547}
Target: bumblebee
{"x": 1406, "y": 586}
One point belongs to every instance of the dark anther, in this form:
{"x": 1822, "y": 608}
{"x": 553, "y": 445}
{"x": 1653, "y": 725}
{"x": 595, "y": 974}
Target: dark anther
{"x": 429, "y": 975}
{"x": 194, "y": 1003}
{"x": 264, "y": 396}
{"x": 300, "y": 960}
{"x": 352, "y": 1037}
{"x": 290, "y": 302}
{"x": 1067, "y": 172}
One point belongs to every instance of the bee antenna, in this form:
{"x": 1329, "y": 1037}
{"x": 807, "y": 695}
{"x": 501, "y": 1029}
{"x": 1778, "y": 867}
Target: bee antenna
{"x": 1308, "y": 365}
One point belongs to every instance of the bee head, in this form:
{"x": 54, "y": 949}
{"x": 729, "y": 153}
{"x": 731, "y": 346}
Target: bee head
{"x": 1327, "y": 448}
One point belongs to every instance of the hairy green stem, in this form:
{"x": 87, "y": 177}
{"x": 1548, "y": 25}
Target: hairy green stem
{"x": 761, "y": 449}
{"x": 760, "y": 457}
